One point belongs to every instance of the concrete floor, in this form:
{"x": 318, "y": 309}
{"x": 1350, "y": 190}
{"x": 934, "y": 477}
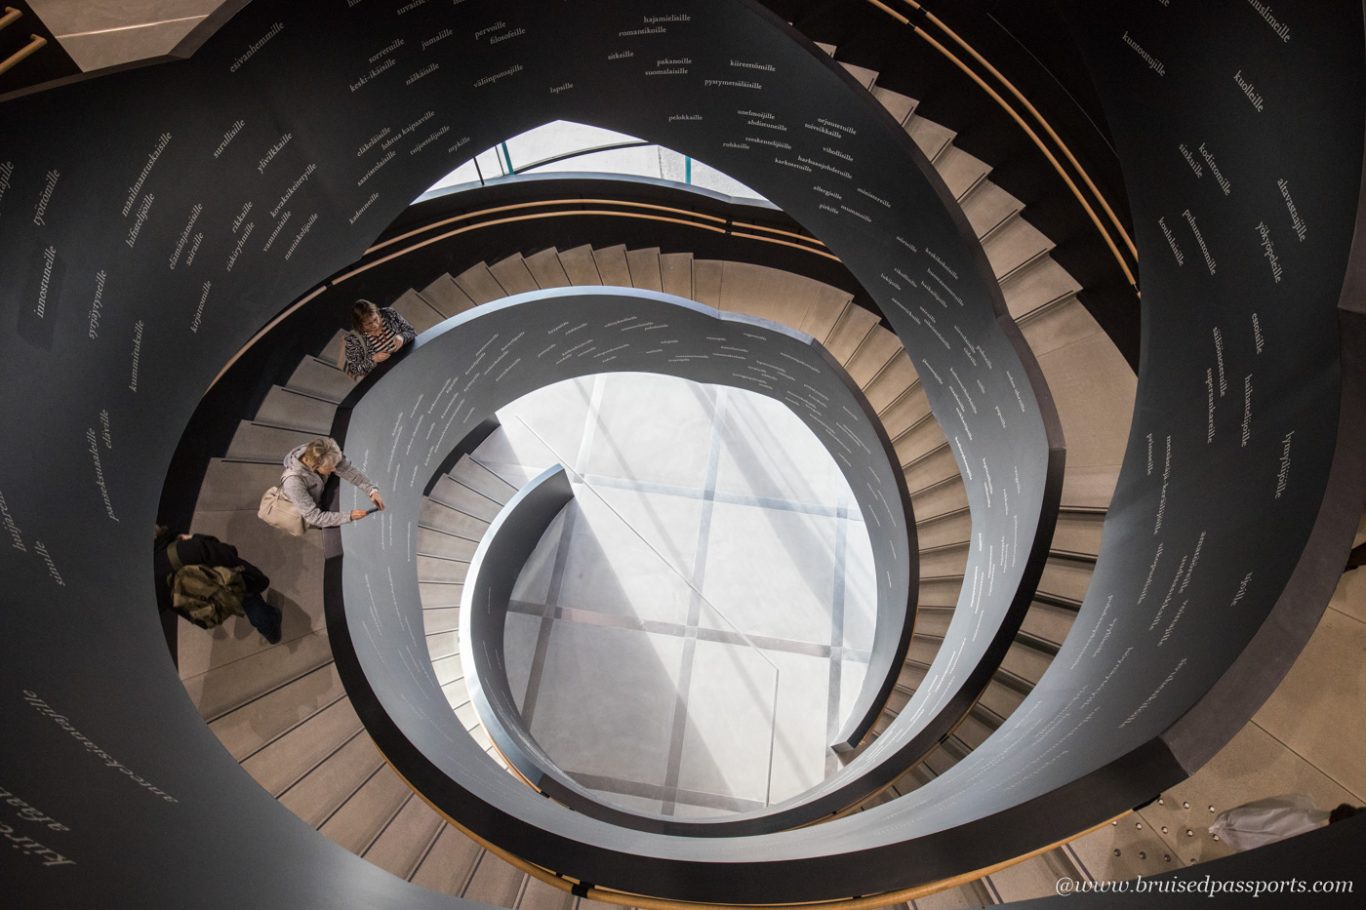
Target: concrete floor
{"x": 691, "y": 630}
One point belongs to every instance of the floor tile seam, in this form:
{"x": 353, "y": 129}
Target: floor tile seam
{"x": 678, "y": 630}
{"x": 533, "y": 683}
{"x": 645, "y": 790}
{"x": 1360, "y": 797}
{"x": 835, "y": 679}
{"x": 729, "y": 498}
{"x": 1341, "y": 612}
{"x": 687, "y": 659}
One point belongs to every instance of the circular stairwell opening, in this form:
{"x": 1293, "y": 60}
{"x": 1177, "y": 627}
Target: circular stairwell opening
{"x": 691, "y": 631}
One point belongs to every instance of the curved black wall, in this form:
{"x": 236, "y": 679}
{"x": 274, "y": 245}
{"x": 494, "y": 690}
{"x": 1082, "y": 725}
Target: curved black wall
{"x": 150, "y": 220}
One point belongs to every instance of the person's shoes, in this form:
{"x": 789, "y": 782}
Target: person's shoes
{"x": 275, "y": 628}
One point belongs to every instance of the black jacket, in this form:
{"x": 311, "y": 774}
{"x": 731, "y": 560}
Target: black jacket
{"x": 200, "y": 550}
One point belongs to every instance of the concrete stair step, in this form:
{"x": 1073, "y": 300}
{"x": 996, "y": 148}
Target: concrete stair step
{"x": 494, "y": 882}
{"x": 675, "y": 274}
{"x": 267, "y": 444}
{"x": 1079, "y": 532}
{"x": 439, "y": 594}
{"x": 947, "y": 560}
{"x": 853, "y": 326}
{"x": 865, "y": 76}
{"x": 445, "y": 546}
{"x": 539, "y": 895}
{"x": 479, "y": 284}
{"x": 898, "y": 105}
{"x": 1001, "y": 699}
{"x": 893, "y": 380}
{"x": 1089, "y": 488}
{"x": 580, "y": 266}
{"x": 876, "y": 352}
{"x": 706, "y": 281}
{"x": 333, "y": 352}
{"x": 253, "y": 725}
{"x": 905, "y": 410}
{"x": 319, "y": 379}
{"x": 612, "y": 267}
{"x": 918, "y": 441}
{"x": 443, "y": 518}
{"x": 1036, "y": 286}
{"x": 768, "y": 293}
{"x": 440, "y": 619}
{"x": 1026, "y": 662}
{"x": 1014, "y": 244}
{"x": 329, "y": 783}
{"x": 445, "y": 571}
{"x": 294, "y": 410}
{"x": 1048, "y": 622}
{"x": 449, "y": 863}
{"x": 644, "y": 268}
{"x": 446, "y": 297}
{"x": 929, "y": 136}
{"x": 1066, "y": 322}
{"x": 415, "y": 308}
{"x": 456, "y": 495}
{"x": 474, "y": 475}
{"x": 447, "y": 669}
{"x": 960, "y": 171}
{"x": 988, "y": 207}
{"x": 289, "y": 758}
{"x": 938, "y": 465}
{"x": 1066, "y": 578}
{"x": 236, "y": 485}
{"x": 225, "y": 687}
{"x": 948, "y": 496}
{"x": 456, "y": 691}
{"x": 825, "y": 312}
{"x": 954, "y": 528}
{"x": 441, "y": 644}
{"x": 406, "y": 839}
{"x": 513, "y": 275}
{"x": 363, "y": 817}
{"x": 545, "y": 267}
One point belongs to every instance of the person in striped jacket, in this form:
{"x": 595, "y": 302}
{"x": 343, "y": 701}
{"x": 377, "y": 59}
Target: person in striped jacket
{"x": 378, "y": 333}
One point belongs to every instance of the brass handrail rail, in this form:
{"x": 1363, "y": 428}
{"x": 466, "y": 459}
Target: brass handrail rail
{"x": 35, "y": 44}
{"x": 628, "y": 899}
{"x": 333, "y": 282}
{"x": 1033, "y": 136}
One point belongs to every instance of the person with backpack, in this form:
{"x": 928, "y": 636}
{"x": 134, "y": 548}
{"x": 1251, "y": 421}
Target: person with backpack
{"x": 204, "y": 580}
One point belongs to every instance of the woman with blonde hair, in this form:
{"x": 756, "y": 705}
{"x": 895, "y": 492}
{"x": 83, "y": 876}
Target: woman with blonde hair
{"x": 306, "y": 471}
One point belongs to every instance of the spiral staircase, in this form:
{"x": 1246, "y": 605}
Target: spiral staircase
{"x": 282, "y": 712}
{"x": 306, "y": 745}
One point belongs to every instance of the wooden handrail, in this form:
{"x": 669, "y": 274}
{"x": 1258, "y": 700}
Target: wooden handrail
{"x": 1029, "y": 131}
{"x": 628, "y": 899}
{"x": 539, "y": 203}
{"x": 11, "y": 15}
{"x": 1034, "y": 137}
{"x": 35, "y": 43}
{"x": 1034, "y": 112}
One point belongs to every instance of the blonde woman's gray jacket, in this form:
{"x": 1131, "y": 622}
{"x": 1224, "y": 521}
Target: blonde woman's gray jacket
{"x": 304, "y": 487}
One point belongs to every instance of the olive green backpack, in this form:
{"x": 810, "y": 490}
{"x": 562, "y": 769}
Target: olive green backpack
{"x": 205, "y": 595}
